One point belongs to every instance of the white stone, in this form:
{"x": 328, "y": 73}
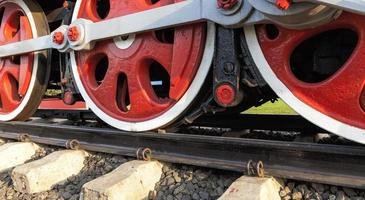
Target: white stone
{"x": 132, "y": 180}
{"x": 16, "y": 153}
{"x": 41, "y": 175}
{"x": 252, "y": 188}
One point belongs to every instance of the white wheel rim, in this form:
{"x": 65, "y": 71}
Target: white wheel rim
{"x": 312, "y": 115}
{"x": 175, "y": 111}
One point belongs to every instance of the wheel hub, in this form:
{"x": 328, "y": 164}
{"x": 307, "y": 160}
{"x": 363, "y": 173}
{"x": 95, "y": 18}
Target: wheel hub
{"x": 124, "y": 42}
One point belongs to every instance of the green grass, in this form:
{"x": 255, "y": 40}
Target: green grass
{"x": 279, "y": 107}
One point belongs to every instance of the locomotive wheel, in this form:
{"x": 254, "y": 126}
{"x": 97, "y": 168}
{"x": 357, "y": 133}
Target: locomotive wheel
{"x": 22, "y": 78}
{"x": 319, "y": 72}
{"x": 145, "y": 81}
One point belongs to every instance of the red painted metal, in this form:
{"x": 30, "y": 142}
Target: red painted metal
{"x": 58, "y": 104}
{"x": 180, "y": 59}
{"x": 16, "y": 71}
{"x": 226, "y": 4}
{"x": 338, "y": 96}
{"x": 283, "y": 4}
{"x": 225, "y": 94}
{"x": 58, "y": 37}
{"x": 73, "y": 33}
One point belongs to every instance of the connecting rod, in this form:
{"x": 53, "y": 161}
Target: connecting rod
{"x": 186, "y": 12}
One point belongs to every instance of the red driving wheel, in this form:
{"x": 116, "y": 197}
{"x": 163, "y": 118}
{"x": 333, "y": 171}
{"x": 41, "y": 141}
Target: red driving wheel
{"x": 21, "y": 81}
{"x": 320, "y": 72}
{"x": 138, "y": 78}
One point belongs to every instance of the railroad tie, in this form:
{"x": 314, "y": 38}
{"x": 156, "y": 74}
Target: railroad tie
{"x": 131, "y": 180}
{"x": 41, "y": 175}
{"x": 16, "y": 153}
{"x": 252, "y": 188}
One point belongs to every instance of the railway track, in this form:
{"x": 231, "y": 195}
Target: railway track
{"x": 324, "y": 163}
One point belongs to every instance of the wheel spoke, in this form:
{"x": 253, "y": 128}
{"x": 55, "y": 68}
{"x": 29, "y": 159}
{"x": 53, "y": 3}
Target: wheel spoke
{"x": 4, "y": 19}
{"x": 9, "y": 99}
{"x": 9, "y": 23}
{"x": 142, "y": 97}
{"x": 158, "y": 51}
{"x": 106, "y": 91}
{"x": 12, "y": 69}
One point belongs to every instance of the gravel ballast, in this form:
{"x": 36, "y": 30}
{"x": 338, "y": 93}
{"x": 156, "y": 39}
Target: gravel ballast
{"x": 185, "y": 182}
{"x": 297, "y": 190}
{"x": 96, "y": 165}
{"x": 178, "y": 182}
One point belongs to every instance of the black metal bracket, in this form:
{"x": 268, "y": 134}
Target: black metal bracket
{"x": 227, "y": 67}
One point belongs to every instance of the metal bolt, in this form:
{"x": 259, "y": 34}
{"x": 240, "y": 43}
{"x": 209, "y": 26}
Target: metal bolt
{"x": 58, "y": 38}
{"x": 73, "y": 144}
{"x": 144, "y": 154}
{"x": 229, "y": 68}
{"x": 69, "y": 98}
{"x": 225, "y": 94}
{"x": 226, "y": 4}
{"x": 283, "y": 4}
{"x": 73, "y": 33}
{"x": 24, "y": 137}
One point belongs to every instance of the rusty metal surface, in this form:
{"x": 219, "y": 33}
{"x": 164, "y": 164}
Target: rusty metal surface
{"x": 330, "y": 164}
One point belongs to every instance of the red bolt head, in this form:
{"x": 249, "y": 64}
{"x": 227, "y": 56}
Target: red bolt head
{"x": 58, "y": 37}
{"x": 69, "y": 98}
{"x": 73, "y": 33}
{"x": 226, "y": 4}
{"x": 283, "y": 4}
{"x": 225, "y": 94}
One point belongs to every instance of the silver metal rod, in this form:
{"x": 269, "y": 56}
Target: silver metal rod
{"x": 184, "y": 12}
{"x": 26, "y": 46}
{"x": 172, "y": 15}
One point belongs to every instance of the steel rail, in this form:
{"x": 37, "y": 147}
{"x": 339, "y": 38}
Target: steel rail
{"x": 235, "y": 122}
{"x": 330, "y": 164}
